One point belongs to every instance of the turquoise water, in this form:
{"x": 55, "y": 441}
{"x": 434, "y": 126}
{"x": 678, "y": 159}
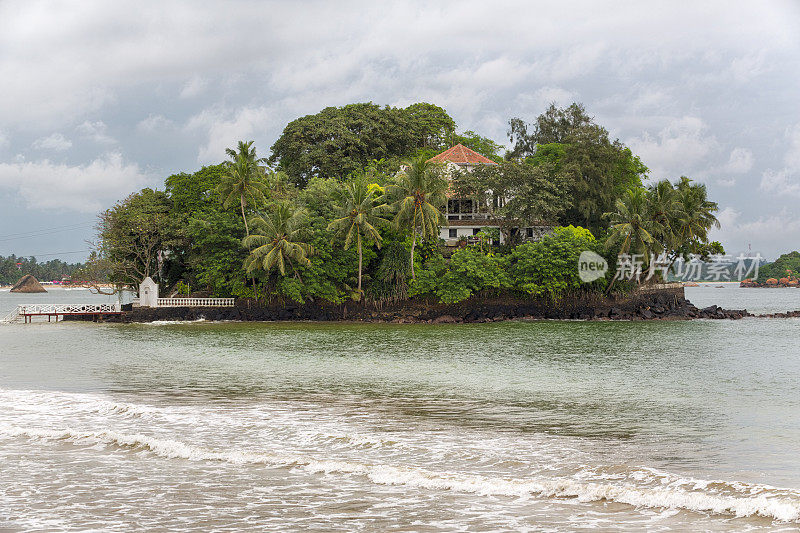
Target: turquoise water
{"x": 505, "y": 426}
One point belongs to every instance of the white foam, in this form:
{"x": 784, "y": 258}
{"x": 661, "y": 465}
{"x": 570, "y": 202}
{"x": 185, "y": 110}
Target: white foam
{"x": 739, "y": 499}
{"x": 172, "y": 322}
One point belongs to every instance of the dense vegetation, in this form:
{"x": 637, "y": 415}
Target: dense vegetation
{"x": 351, "y": 209}
{"x": 12, "y": 268}
{"x": 785, "y": 266}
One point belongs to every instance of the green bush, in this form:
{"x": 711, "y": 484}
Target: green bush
{"x": 550, "y": 267}
{"x": 547, "y": 268}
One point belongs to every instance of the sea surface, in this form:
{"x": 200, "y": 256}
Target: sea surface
{"x": 515, "y": 426}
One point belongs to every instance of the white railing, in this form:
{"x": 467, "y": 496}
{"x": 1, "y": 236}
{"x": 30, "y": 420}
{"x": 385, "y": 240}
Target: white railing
{"x": 196, "y": 302}
{"x": 67, "y": 309}
{"x": 13, "y": 316}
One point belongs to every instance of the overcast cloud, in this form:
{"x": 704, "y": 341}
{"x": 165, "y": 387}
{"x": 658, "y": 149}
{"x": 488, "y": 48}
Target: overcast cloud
{"x": 102, "y": 98}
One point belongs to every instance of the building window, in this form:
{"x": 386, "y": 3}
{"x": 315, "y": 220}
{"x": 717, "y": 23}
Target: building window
{"x": 530, "y": 233}
{"x": 475, "y": 231}
{"x": 453, "y": 233}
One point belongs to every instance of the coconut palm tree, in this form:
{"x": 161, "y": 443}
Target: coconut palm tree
{"x": 631, "y": 225}
{"x": 695, "y": 216}
{"x": 243, "y": 181}
{"x": 422, "y": 193}
{"x": 359, "y": 218}
{"x": 663, "y": 207}
{"x": 276, "y": 242}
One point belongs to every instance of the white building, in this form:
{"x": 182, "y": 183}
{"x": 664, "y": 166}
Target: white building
{"x": 465, "y": 218}
{"x": 148, "y": 293}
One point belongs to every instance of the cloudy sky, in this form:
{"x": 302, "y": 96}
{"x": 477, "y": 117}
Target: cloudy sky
{"x": 99, "y": 99}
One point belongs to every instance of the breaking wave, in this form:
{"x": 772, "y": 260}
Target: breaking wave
{"x": 737, "y": 499}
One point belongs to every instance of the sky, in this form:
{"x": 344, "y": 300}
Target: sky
{"x": 100, "y": 99}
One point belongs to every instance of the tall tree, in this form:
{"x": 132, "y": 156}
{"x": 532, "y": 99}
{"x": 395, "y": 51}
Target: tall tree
{"x": 421, "y": 192}
{"x": 664, "y": 208}
{"x": 431, "y": 125}
{"x": 556, "y": 125}
{"x": 360, "y": 218}
{"x": 483, "y": 145}
{"x": 632, "y": 226}
{"x": 694, "y": 218}
{"x": 339, "y": 141}
{"x": 243, "y": 182}
{"x": 515, "y": 195}
{"x": 277, "y": 241}
{"x": 599, "y": 170}
{"x": 134, "y": 234}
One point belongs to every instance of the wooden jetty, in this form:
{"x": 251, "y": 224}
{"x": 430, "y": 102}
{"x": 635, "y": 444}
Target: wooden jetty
{"x": 28, "y": 311}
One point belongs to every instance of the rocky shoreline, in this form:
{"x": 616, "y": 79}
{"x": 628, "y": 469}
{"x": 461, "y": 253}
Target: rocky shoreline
{"x": 771, "y": 283}
{"x": 658, "y": 304}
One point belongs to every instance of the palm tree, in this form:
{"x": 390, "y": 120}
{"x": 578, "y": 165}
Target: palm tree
{"x": 359, "y": 220}
{"x": 663, "y": 207}
{"x": 243, "y": 180}
{"x": 276, "y": 242}
{"x": 631, "y": 224}
{"x": 422, "y": 192}
{"x": 696, "y": 214}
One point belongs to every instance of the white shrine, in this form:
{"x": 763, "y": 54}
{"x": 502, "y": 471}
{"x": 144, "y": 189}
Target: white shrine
{"x": 148, "y": 293}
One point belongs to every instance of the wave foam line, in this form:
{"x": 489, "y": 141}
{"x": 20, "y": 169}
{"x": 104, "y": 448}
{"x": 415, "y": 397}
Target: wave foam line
{"x": 783, "y": 508}
{"x": 46, "y": 402}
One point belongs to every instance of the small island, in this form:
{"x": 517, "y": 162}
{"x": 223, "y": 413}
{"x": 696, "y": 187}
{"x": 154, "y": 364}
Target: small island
{"x": 366, "y": 207}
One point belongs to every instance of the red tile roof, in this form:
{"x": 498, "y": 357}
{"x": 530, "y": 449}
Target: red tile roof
{"x": 461, "y": 155}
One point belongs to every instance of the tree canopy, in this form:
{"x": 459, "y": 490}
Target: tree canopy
{"x": 338, "y": 141}
{"x": 598, "y": 170}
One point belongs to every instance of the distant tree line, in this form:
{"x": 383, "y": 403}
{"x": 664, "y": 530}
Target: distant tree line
{"x": 12, "y": 268}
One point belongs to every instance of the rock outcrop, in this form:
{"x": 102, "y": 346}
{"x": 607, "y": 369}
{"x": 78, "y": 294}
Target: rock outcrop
{"x": 788, "y": 281}
{"x": 669, "y": 304}
{"x": 29, "y": 284}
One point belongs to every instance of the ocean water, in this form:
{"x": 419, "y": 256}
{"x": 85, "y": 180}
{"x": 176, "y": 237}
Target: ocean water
{"x": 516, "y": 426}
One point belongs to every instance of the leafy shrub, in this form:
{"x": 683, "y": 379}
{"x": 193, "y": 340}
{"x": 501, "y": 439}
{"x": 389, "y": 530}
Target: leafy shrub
{"x": 550, "y": 267}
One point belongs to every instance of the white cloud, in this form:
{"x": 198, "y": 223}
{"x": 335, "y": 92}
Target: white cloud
{"x": 785, "y": 181}
{"x": 64, "y": 61}
{"x": 770, "y": 234}
{"x": 195, "y": 86}
{"x": 779, "y": 183}
{"x": 223, "y": 129}
{"x": 4, "y": 140}
{"x": 96, "y": 131}
{"x": 792, "y": 157}
{"x": 740, "y": 161}
{"x": 677, "y": 149}
{"x": 748, "y": 67}
{"x": 533, "y": 103}
{"x": 154, "y": 123}
{"x": 727, "y": 217}
{"x": 85, "y": 188}
{"x": 55, "y": 142}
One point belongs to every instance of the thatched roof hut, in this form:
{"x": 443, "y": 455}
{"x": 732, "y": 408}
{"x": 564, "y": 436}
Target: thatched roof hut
{"x": 28, "y": 283}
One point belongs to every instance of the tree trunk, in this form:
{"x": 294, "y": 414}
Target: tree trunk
{"x": 413, "y": 245}
{"x": 413, "y": 240}
{"x": 246, "y": 229}
{"x": 360, "y": 258}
